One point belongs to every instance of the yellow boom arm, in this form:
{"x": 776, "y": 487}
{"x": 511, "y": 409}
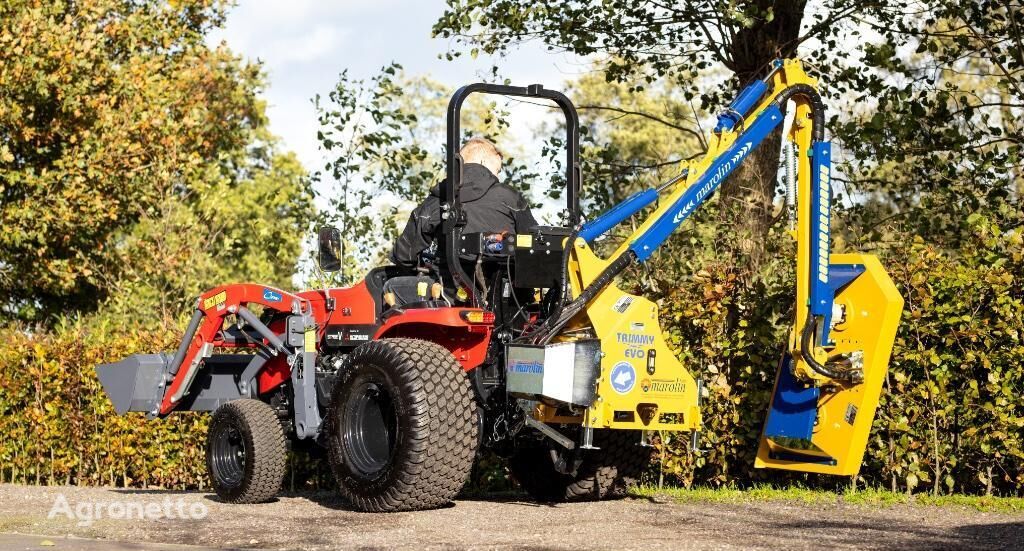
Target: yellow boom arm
{"x": 845, "y": 318}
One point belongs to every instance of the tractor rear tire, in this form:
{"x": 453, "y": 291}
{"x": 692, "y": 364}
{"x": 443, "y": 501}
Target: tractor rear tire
{"x": 246, "y": 454}
{"x": 402, "y": 426}
{"x": 607, "y": 473}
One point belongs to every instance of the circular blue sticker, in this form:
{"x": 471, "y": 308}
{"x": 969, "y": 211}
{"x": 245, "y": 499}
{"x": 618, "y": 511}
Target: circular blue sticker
{"x": 623, "y": 377}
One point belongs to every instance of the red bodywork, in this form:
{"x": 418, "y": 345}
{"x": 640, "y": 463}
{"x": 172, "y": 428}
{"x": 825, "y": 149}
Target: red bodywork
{"x": 353, "y": 306}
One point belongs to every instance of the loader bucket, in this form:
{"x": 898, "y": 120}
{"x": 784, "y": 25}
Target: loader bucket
{"x": 136, "y": 382}
{"x": 825, "y": 428}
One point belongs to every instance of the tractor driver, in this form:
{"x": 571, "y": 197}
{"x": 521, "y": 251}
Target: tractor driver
{"x": 490, "y": 205}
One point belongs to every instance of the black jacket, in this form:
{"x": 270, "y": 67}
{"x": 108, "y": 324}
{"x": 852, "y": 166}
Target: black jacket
{"x": 491, "y": 207}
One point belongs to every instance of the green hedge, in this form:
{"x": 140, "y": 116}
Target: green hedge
{"x": 59, "y": 426}
{"x": 951, "y": 418}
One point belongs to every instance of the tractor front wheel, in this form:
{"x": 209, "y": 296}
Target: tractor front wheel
{"x": 246, "y": 455}
{"x": 402, "y": 426}
{"x": 605, "y": 473}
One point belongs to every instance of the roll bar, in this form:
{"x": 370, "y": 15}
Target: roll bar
{"x": 452, "y": 216}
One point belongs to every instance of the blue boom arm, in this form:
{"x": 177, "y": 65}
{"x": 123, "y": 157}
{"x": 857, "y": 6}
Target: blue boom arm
{"x": 644, "y": 245}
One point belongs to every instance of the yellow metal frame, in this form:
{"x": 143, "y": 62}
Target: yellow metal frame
{"x": 664, "y": 398}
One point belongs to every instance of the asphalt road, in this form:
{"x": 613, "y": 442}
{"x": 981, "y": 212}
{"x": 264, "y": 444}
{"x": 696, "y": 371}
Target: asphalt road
{"x": 56, "y": 517}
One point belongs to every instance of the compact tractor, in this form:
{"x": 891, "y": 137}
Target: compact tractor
{"x": 524, "y": 344}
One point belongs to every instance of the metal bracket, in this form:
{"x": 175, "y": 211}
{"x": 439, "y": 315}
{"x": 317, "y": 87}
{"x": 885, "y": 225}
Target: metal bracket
{"x": 588, "y": 439}
{"x": 695, "y": 434}
{"x": 307, "y": 409}
{"x": 645, "y": 439}
{"x": 246, "y": 381}
{"x": 564, "y": 465}
{"x": 551, "y": 433}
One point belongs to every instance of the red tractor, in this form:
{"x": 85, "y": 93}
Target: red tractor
{"x": 520, "y": 344}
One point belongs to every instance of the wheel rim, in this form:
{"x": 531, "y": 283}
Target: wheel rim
{"x": 370, "y": 428}
{"x": 229, "y": 454}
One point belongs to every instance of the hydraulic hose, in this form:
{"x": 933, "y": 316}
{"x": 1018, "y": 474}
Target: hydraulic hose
{"x": 807, "y": 344}
{"x": 817, "y": 107}
{"x": 563, "y": 294}
{"x": 817, "y": 135}
{"x": 576, "y": 306}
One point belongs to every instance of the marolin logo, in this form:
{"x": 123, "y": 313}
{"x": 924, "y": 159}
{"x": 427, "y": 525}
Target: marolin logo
{"x": 662, "y": 386}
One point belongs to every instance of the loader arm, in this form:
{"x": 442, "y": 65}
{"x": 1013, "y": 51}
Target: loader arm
{"x": 833, "y": 366}
{"x": 192, "y": 379}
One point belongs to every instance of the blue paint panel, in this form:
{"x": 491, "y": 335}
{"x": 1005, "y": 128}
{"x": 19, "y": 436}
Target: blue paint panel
{"x": 271, "y": 295}
{"x": 840, "y": 275}
{"x": 743, "y": 103}
{"x": 645, "y": 245}
{"x": 794, "y": 406}
{"x": 821, "y": 198}
{"x": 611, "y": 217}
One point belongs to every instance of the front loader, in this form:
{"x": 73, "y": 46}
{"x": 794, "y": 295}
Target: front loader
{"x": 524, "y": 344}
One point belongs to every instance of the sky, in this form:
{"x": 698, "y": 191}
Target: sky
{"x": 305, "y": 44}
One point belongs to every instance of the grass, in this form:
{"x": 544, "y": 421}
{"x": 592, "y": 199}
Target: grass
{"x": 873, "y": 498}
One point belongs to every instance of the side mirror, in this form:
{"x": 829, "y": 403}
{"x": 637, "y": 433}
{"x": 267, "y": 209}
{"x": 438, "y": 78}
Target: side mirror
{"x": 329, "y": 238}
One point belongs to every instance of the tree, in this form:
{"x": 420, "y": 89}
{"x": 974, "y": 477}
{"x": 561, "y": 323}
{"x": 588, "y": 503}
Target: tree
{"x": 632, "y": 139}
{"x": 131, "y": 152}
{"x": 941, "y": 137}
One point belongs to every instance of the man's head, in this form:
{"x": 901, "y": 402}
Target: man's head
{"x": 482, "y": 151}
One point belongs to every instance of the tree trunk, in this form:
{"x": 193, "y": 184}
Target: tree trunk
{"x": 747, "y": 200}
{"x": 748, "y": 195}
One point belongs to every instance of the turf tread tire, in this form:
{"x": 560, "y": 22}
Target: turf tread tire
{"x": 438, "y": 433}
{"x": 607, "y": 473}
{"x": 264, "y": 473}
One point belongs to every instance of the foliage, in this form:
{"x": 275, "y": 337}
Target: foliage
{"x": 952, "y": 414}
{"x": 729, "y": 334}
{"x": 933, "y": 135}
{"x": 134, "y": 161}
{"x": 136, "y": 171}
{"x": 631, "y": 139}
{"x": 649, "y": 39}
{"x": 60, "y": 427}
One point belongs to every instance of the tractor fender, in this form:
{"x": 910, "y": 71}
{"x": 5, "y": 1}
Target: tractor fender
{"x": 448, "y": 327}
{"x": 445, "y": 326}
